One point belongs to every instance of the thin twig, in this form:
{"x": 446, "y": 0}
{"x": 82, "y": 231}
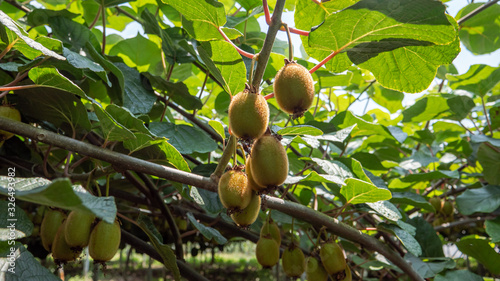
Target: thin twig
{"x": 476, "y": 11}
{"x": 486, "y": 115}
{"x": 243, "y": 53}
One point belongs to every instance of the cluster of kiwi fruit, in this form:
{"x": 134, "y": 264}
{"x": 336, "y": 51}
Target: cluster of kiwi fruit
{"x": 331, "y": 262}
{"x": 267, "y": 250}
{"x": 444, "y": 212}
{"x": 66, "y": 235}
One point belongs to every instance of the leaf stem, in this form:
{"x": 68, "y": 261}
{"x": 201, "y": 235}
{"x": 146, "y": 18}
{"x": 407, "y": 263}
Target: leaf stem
{"x": 325, "y": 60}
{"x": 95, "y": 19}
{"x": 271, "y": 95}
{"x": 290, "y": 44}
{"x": 243, "y": 53}
{"x": 14, "y": 88}
{"x": 268, "y": 21}
{"x": 486, "y": 115}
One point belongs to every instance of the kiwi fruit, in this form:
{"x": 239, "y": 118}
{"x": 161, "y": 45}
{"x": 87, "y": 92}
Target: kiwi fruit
{"x": 248, "y": 215}
{"x": 293, "y": 261}
{"x": 248, "y": 115}
{"x": 11, "y": 113}
{"x": 315, "y": 270}
{"x": 251, "y": 182}
{"x": 49, "y": 227}
{"x": 269, "y": 162}
{"x": 77, "y": 229}
{"x": 104, "y": 241}
{"x": 267, "y": 251}
{"x": 448, "y": 208}
{"x": 294, "y": 88}
{"x": 436, "y": 203}
{"x": 61, "y": 251}
{"x": 234, "y": 192}
{"x": 332, "y": 257}
{"x": 272, "y": 229}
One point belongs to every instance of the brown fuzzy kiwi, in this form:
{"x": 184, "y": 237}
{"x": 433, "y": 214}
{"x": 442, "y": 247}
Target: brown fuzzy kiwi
{"x": 271, "y": 228}
{"x": 267, "y": 251}
{"x": 269, "y": 162}
{"x": 332, "y": 257}
{"x": 234, "y": 192}
{"x": 61, "y": 251}
{"x": 77, "y": 229}
{"x": 251, "y": 181}
{"x": 51, "y": 222}
{"x": 104, "y": 241}
{"x": 294, "y": 88}
{"x": 248, "y": 215}
{"x": 315, "y": 270}
{"x": 248, "y": 115}
{"x": 11, "y": 113}
{"x": 293, "y": 261}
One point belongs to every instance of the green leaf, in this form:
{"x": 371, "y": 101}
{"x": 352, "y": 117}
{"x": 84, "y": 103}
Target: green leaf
{"x": 72, "y": 33}
{"x": 412, "y": 199}
{"x": 225, "y": 64}
{"x": 60, "y": 194}
{"x": 249, "y": 4}
{"x": 26, "y": 266}
{"x": 209, "y": 11}
{"x": 482, "y": 251}
{"x": 85, "y": 64}
{"x": 357, "y": 191}
{"x": 479, "y": 79}
{"x": 427, "y": 238}
{"x": 110, "y": 3}
{"x": 57, "y": 107}
{"x": 47, "y": 76}
{"x": 431, "y": 267}
{"x": 110, "y": 128}
{"x": 204, "y": 31}
{"x": 493, "y": 229}
{"x": 187, "y": 139}
{"x": 406, "y": 39}
{"x": 37, "y": 49}
{"x": 390, "y": 99}
{"x": 485, "y": 199}
{"x": 178, "y": 92}
{"x": 16, "y": 223}
{"x": 300, "y": 130}
{"x": 386, "y": 209}
{"x": 138, "y": 52}
{"x": 404, "y": 236}
{"x": 346, "y": 119}
{"x": 218, "y": 127}
{"x": 489, "y": 159}
{"x": 315, "y": 177}
{"x": 434, "y": 175}
{"x": 173, "y": 156}
{"x": 166, "y": 253}
{"x": 458, "y": 275}
{"x": 138, "y": 97}
{"x": 208, "y": 200}
{"x": 127, "y": 119}
{"x": 439, "y": 107}
{"x": 480, "y": 34}
{"x": 208, "y": 232}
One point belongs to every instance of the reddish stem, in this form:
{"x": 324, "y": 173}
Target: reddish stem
{"x": 13, "y": 88}
{"x": 243, "y": 53}
{"x": 271, "y": 95}
{"x": 324, "y": 61}
{"x": 317, "y": 2}
{"x": 268, "y": 21}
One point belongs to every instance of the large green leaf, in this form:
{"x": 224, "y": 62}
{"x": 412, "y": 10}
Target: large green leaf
{"x": 480, "y": 34}
{"x": 490, "y": 161}
{"x": 208, "y": 232}
{"x": 34, "y": 48}
{"x": 138, "y": 96}
{"x": 47, "y": 76}
{"x": 404, "y": 236}
{"x": 84, "y": 63}
{"x": 401, "y": 42}
{"x": 493, "y": 229}
{"x": 166, "y": 253}
{"x": 439, "y": 106}
{"x": 209, "y": 11}
{"x": 186, "y": 139}
{"x": 110, "y": 128}
{"x": 178, "y": 92}
{"x": 482, "y": 251}
{"x": 138, "y": 52}
{"x": 458, "y": 275}
{"x": 60, "y": 194}
{"x": 57, "y": 107}
{"x": 430, "y": 267}
{"x": 225, "y": 64}
{"x": 300, "y": 130}
{"x": 16, "y": 223}
{"x": 390, "y": 99}
{"x": 485, "y": 199}
{"x": 346, "y": 119}
{"x": 412, "y": 199}
{"x": 479, "y": 79}
{"x": 357, "y": 191}
{"x": 427, "y": 238}
{"x": 27, "y": 267}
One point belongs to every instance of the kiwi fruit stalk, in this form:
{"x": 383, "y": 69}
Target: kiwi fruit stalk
{"x": 269, "y": 162}
{"x": 294, "y": 88}
{"x": 234, "y": 192}
{"x": 248, "y": 115}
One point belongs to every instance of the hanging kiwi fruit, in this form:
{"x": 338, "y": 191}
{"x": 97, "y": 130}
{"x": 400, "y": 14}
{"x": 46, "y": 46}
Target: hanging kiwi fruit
{"x": 234, "y": 192}
{"x": 249, "y": 215}
{"x": 104, "y": 241}
{"x": 269, "y": 162}
{"x": 248, "y": 115}
{"x": 51, "y": 222}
